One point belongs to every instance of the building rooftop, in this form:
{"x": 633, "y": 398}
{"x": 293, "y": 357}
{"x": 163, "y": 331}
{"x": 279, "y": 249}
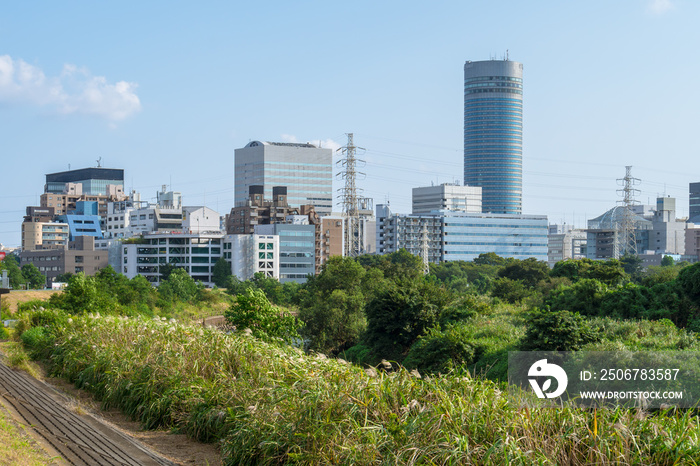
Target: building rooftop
{"x": 286, "y": 144}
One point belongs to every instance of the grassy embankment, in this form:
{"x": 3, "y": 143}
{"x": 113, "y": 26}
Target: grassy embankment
{"x": 269, "y": 405}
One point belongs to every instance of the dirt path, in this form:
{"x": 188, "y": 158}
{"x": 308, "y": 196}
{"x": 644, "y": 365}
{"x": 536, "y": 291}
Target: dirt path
{"x": 79, "y": 440}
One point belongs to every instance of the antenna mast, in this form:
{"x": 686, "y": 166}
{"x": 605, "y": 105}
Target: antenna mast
{"x": 626, "y": 238}
{"x": 353, "y": 235}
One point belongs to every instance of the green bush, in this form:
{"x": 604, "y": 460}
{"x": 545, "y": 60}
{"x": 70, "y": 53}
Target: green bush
{"x": 252, "y": 310}
{"x": 38, "y": 341}
{"x": 557, "y": 331}
{"x": 441, "y": 350}
{"x": 512, "y": 291}
{"x": 4, "y": 334}
{"x": 585, "y": 297}
{"x": 359, "y": 354}
{"x": 465, "y": 308}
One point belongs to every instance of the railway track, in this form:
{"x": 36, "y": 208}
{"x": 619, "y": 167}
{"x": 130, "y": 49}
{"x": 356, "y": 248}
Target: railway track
{"x": 78, "y": 439}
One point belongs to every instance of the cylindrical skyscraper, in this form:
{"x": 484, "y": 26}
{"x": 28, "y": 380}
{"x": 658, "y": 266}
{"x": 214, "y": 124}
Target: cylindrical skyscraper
{"x": 493, "y": 133}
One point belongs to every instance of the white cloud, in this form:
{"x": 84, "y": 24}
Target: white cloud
{"x": 75, "y": 90}
{"x": 659, "y": 7}
{"x": 325, "y": 143}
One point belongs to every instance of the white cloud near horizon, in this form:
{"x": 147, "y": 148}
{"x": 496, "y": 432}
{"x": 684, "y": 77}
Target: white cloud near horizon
{"x": 325, "y": 143}
{"x": 75, "y": 90}
{"x": 659, "y": 7}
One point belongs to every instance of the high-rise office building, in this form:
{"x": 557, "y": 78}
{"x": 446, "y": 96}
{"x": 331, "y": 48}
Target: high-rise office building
{"x": 493, "y": 133}
{"x": 306, "y": 171}
{"x": 694, "y": 203}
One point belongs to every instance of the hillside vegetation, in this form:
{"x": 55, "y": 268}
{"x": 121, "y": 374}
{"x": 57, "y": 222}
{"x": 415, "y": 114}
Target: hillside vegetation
{"x": 277, "y": 391}
{"x": 272, "y": 404}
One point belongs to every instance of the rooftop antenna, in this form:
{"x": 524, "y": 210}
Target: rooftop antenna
{"x": 507, "y": 56}
{"x": 99, "y": 160}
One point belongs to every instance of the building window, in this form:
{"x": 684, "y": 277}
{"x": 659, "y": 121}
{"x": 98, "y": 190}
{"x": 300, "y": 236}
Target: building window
{"x": 78, "y": 259}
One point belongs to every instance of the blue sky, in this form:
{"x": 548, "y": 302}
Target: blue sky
{"x": 168, "y": 90}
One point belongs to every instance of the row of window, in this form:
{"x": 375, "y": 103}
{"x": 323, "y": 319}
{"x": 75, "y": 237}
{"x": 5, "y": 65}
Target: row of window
{"x": 296, "y": 244}
{"x": 493, "y": 78}
{"x": 491, "y": 85}
{"x": 490, "y": 243}
{"x": 504, "y": 101}
{"x": 296, "y": 266}
{"x": 296, "y": 233}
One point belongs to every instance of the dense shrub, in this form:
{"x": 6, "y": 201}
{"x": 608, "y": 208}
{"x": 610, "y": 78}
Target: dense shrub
{"x": 465, "y": 308}
{"x": 585, "y": 297}
{"x": 441, "y": 350}
{"x": 253, "y": 311}
{"x": 511, "y": 291}
{"x": 557, "y": 331}
{"x": 397, "y": 316}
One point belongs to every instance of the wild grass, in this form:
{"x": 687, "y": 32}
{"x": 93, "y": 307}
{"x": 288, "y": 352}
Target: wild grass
{"x": 270, "y": 404}
{"x": 17, "y": 448}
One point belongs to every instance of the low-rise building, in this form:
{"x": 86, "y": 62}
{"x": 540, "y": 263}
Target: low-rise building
{"x": 195, "y": 252}
{"x": 79, "y": 256}
{"x": 565, "y": 242}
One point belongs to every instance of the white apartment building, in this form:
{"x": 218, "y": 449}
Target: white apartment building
{"x": 447, "y": 196}
{"x": 195, "y": 252}
{"x": 250, "y": 254}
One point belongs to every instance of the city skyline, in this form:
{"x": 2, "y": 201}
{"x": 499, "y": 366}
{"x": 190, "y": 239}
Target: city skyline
{"x": 607, "y": 86}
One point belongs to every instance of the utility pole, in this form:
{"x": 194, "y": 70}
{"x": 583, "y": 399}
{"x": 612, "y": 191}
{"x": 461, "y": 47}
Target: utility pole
{"x": 626, "y": 231}
{"x": 353, "y": 234}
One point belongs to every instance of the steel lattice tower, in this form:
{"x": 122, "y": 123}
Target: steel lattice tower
{"x": 626, "y": 238}
{"x": 350, "y": 198}
{"x": 424, "y": 250}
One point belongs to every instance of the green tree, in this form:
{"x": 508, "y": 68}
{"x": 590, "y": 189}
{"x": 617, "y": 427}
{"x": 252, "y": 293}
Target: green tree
{"x": 397, "y": 316}
{"x": 529, "y": 271}
{"x": 332, "y": 304}
{"x": 557, "y": 331}
{"x": 610, "y": 272}
{"x": 632, "y": 265}
{"x": 221, "y": 272}
{"x": 689, "y": 281}
{"x": 63, "y": 278}
{"x": 178, "y": 286}
{"x": 585, "y": 296}
{"x": 79, "y": 296}
{"x": 252, "y": 310}
{"x": 667, "y": 261}
{"x": 441, "y": 350}
{"x": 165, "y": 270}
{"x": 656, "y": 274}
{"x": 626, "y": 302}
{"x": 14, "y": 273}
{"x": 490, "y": 258}
{"x": 334, "y": 323}
{"x": 512, "y": 291}
{"x": 33, "y": 277}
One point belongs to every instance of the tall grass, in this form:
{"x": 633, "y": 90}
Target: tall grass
{"x": 269, "y": 404}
